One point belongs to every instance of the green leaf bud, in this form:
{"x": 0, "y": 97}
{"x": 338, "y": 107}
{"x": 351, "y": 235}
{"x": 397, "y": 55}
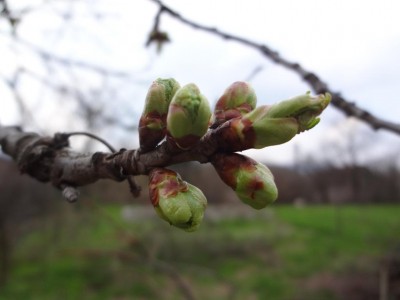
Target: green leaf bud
{"x": 252, "y": 182}
{"x": 188, "y": 116}
{"x": 179, "y": 203}
{"x": 238, "y": 99}
{"x": 304, "y": 108}
{"x": 265, "y": 131}
{"x": 273, "y": 125}
{"x": 152, "y": 123}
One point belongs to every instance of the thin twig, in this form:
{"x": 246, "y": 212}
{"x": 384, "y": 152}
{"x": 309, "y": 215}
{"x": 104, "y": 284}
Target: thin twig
{"x": 49, "y": 56}
{"x": 319, "y": 86}
{"x": 133, "y": 186}
{"x": 92, "y": 136}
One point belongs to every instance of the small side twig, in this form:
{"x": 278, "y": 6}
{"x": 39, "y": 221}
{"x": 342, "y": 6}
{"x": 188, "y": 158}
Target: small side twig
{"x": 90, "y": 135}
{"x": 70, "y": 193}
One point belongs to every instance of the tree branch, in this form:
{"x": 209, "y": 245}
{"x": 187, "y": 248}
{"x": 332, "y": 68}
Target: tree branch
{"x": 50, "y": 160}
{"x": 317, "y": 84}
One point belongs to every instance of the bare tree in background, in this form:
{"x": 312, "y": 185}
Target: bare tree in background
{"x": 72, "y": 84}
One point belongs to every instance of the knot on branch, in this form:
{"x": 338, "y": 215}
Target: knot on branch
{"x": 36, "y": 157}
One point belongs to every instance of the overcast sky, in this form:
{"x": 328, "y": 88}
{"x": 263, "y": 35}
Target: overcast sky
{"x": 352, "y": 45}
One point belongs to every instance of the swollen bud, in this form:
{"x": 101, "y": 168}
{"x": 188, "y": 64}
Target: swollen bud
{"x": 272, "y": 125}
{"x": 238, "y": 99}
{"x": 188, "y": 116}
{"x": 176, "y": 201}
{"x": 266, "y": 131}
{"x": 252, "y": 182}
{"x": 152, "y": 124}
{"x": 304, "y": 108}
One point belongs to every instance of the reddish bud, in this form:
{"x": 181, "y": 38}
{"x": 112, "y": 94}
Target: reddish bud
{"x": 252, "y": 182}
{"x": 238, "y": 99}
{"x": 152, "y": 123}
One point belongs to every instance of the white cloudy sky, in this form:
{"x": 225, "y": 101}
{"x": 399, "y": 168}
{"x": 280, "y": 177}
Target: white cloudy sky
{"x": 353, "y": 45}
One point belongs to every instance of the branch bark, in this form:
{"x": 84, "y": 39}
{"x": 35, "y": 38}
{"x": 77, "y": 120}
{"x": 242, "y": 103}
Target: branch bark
{"x": 313, "y": 80}
{"x": 48, "y": 159}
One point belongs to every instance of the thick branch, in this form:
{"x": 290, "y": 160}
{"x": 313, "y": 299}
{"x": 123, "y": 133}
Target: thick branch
{"x": 50, "y": 160}
{"x": 319, "y": 86}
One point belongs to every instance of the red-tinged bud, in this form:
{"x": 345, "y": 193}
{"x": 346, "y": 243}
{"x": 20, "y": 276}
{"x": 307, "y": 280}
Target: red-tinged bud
{"x": 238, "y": 99}
{"x": 255, "y": 130}
{"x": 252, "y": 182}
{"x": 272, "y": 125}
{"x": 176, "y": 201}
{"x": 152, "y": 124}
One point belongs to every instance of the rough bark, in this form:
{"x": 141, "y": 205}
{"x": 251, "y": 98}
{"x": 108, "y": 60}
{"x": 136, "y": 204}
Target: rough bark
{"x": 49, "y": 159}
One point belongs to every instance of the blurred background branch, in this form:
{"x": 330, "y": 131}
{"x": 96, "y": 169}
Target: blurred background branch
{"x": 313, "y": 80}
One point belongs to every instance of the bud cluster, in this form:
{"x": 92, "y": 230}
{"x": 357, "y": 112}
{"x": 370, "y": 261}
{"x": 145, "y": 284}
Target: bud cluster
{"x": 182, "y": 116}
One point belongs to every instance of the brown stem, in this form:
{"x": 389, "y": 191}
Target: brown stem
{"x": 49, "y": 160}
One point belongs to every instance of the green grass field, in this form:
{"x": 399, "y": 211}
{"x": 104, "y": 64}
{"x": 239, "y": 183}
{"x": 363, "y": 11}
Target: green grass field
{"x": 280, "y": 253}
